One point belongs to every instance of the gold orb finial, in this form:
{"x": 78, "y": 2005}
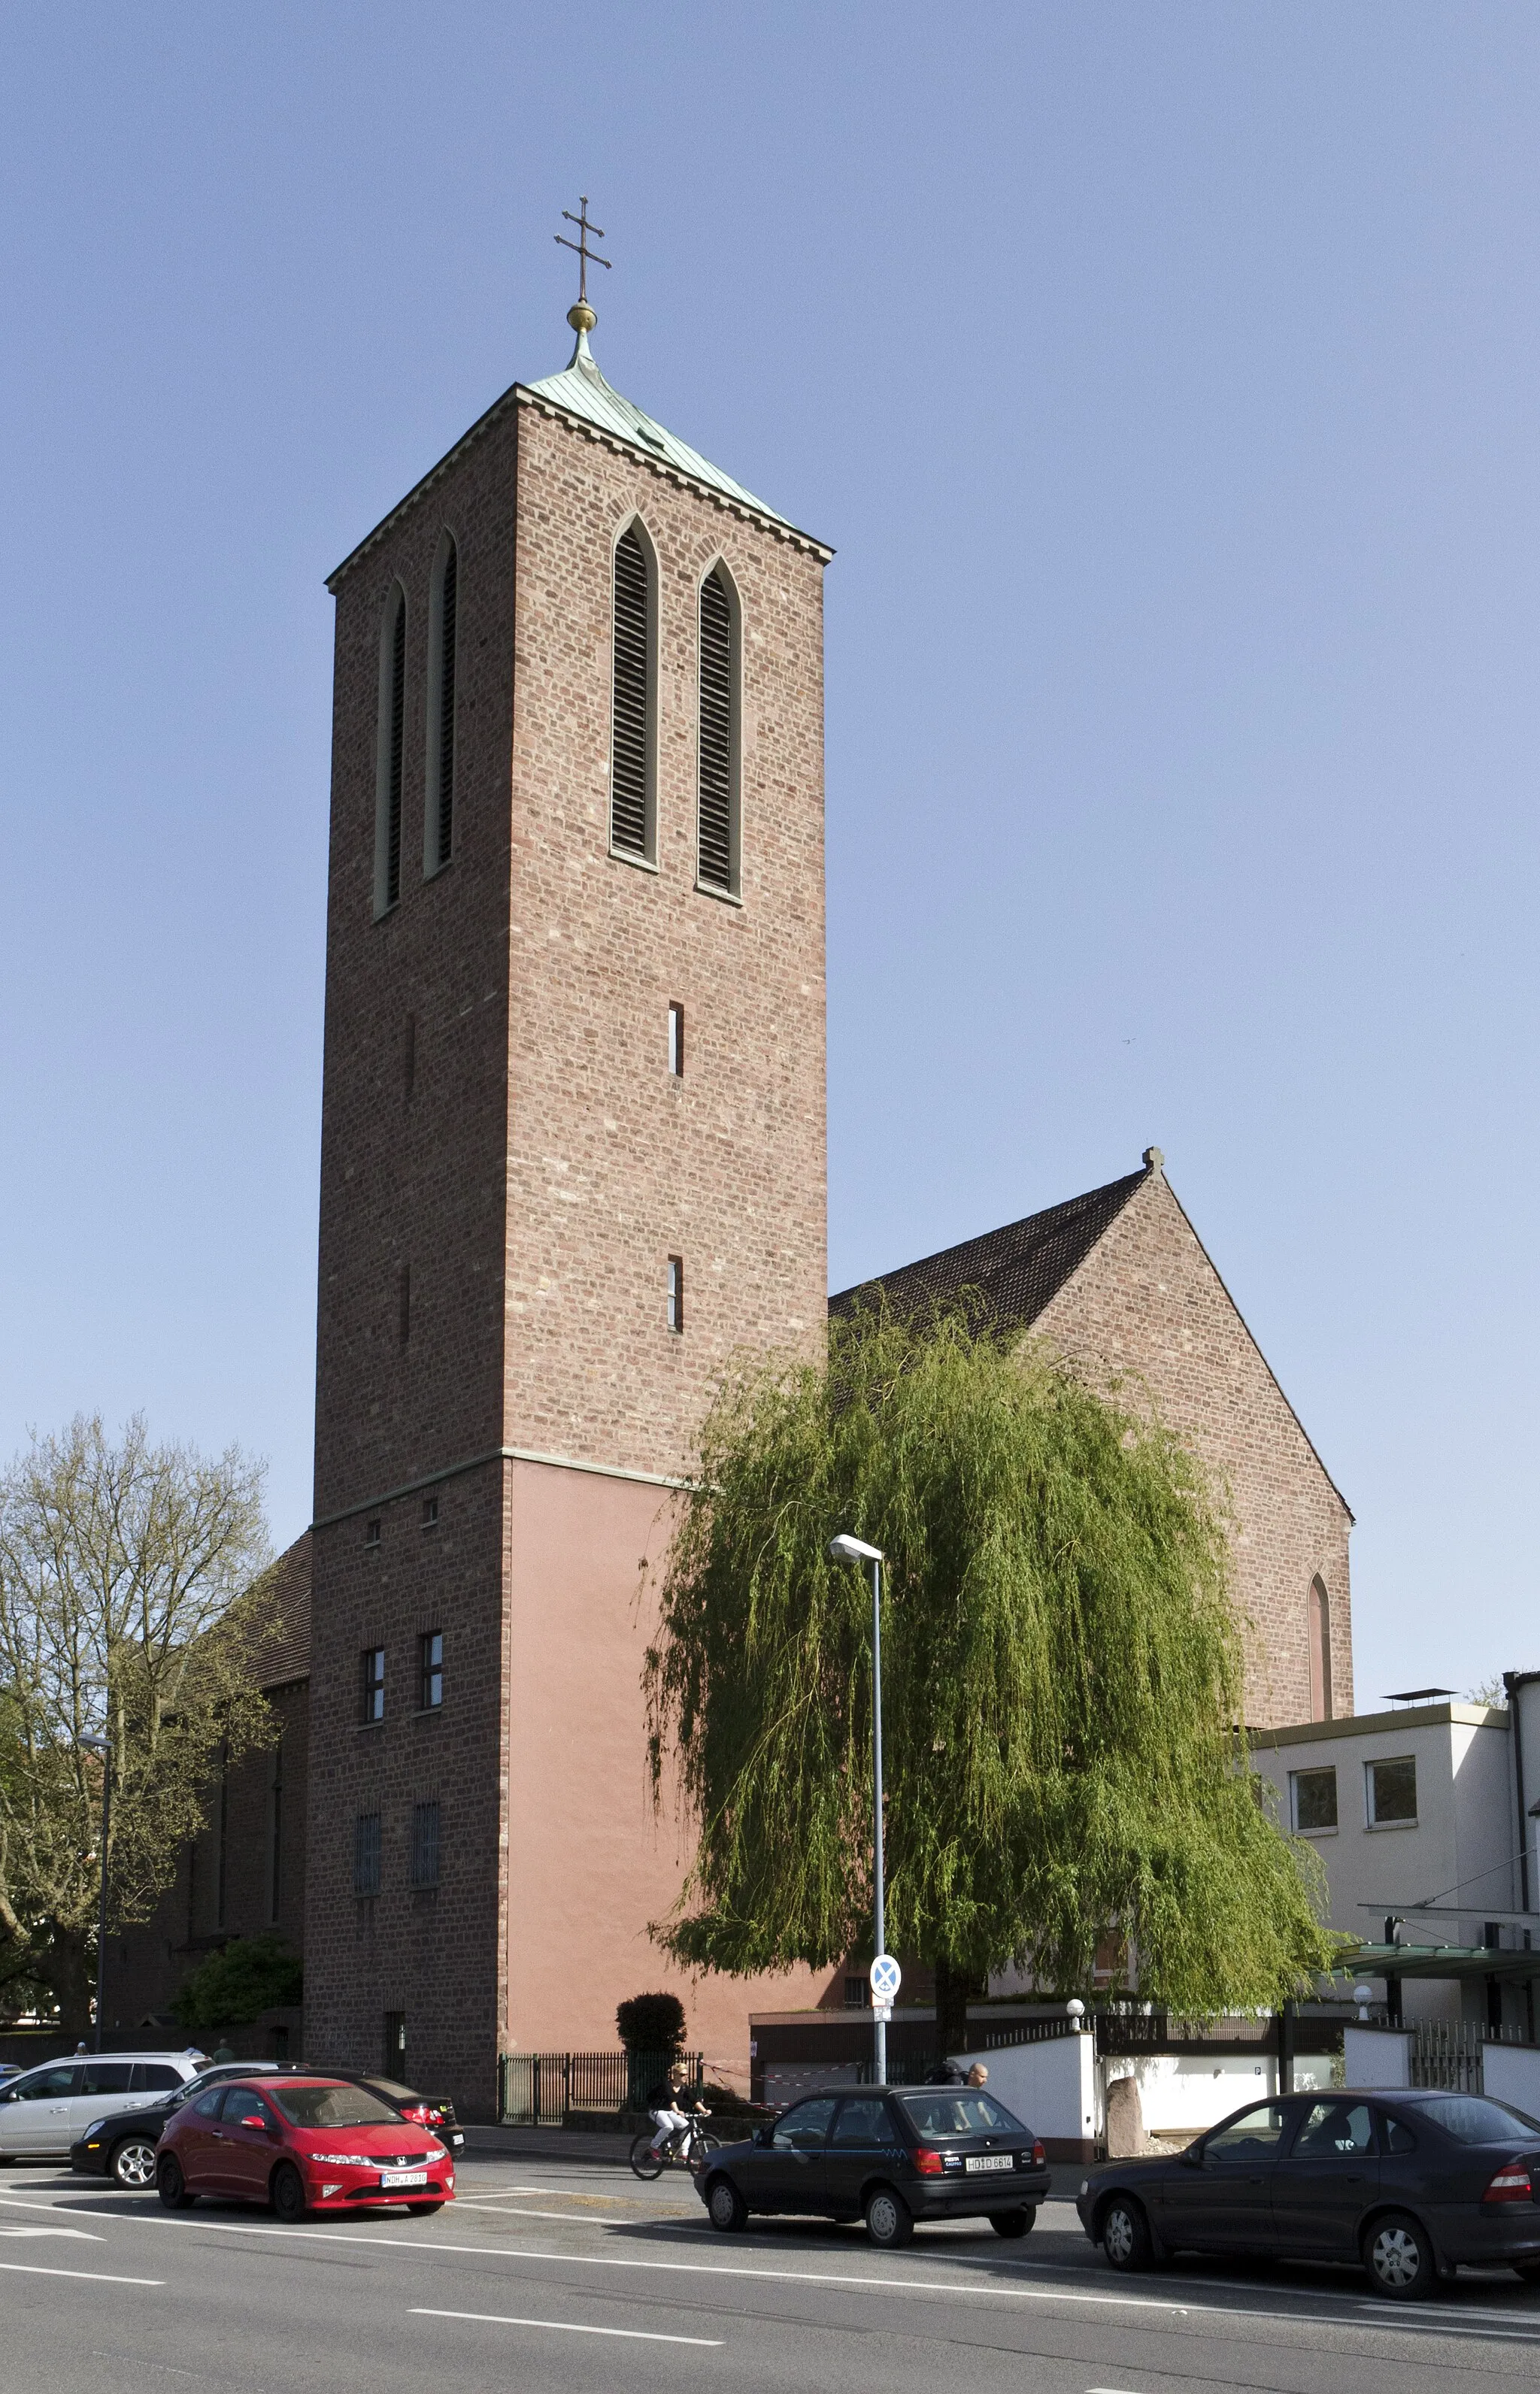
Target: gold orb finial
{"x": 580, "y": 317}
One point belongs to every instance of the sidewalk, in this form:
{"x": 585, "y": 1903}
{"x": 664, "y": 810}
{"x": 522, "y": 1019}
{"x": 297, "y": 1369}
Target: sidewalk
{"x": 589, "y": 2145}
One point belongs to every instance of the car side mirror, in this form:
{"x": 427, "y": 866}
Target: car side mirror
{"x": 1193, "y": 2157}
{"x": 254, "y": 2120}
{"x": 765, "y": 2135}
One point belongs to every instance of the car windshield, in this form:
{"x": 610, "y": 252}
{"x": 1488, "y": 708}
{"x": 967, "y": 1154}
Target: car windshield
{"x": 964, "y": 2113}
{"x": 1476, "y": 2120}
{"x": 332, "y": 2107}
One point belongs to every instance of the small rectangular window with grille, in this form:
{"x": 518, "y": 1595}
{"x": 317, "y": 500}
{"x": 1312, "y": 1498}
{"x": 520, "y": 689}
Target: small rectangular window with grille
{"x": 676, "y": 1040}
{"x": 431, "y": 1512}
{"x": 371, "y": 1534}
{"x": 424, "y": 1845}
{"x": 432, "y": 1644}
{"x": 855, "y": 1995}
{"x": 366, "y": 1854}
{"x": 676, "y": 1292}
{"x": 372, "y": 1681}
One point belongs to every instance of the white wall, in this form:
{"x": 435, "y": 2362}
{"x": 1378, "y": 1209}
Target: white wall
{"x": 1375, "y": 2056}
{"x": 1510, "y": 2073}
{"x": 1051, "y": 2086}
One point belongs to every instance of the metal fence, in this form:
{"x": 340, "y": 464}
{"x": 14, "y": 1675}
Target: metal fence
{"x": 1448, "y": 2054}
{"x": 544, "y": 2090}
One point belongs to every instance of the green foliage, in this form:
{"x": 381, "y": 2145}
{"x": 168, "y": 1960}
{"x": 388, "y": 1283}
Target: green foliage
{"x": 1061, "y": 1682}
{"x": 249, "y": 1976}
{"x": 651, "y": 2023}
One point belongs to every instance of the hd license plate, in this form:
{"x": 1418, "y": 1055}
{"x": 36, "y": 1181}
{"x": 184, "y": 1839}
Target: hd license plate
{"x": 403, "y": 2177}
{"x": 989, "y": 2160}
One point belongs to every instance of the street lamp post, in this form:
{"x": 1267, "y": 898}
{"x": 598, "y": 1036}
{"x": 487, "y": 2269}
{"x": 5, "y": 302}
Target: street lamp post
{"x": 102, "y": 1745}
{"x": 855, "y": 1550}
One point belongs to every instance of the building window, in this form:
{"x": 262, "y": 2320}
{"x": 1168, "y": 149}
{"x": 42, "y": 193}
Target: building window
{"x": 424, "y": 1845}
{"x": 395, "y": 2045}
{"x": 442, "y": 609}
{"x": 371, "y": 1535}
{"x": 1319, "y": 1619}
{"x": 676, "y": 1040}
{"x": 389, "y": 752}
{"x": 432, "y": 1669}
{"x": 1390, "y": 1791}
{"x": 1313, "y": 1799}
{"x": 719, "y": 746}
{"x": 855, "y": 1995}
{"x": 409, "y": 1058}
{"x": 403, "y": 1302}
{"x": 676, "y": 1292}
{"x": 275, "y": 1830}
{"x": 633, "y": 746}
{"x": 366, "y": 1854}
{"x": 431, "y": 1512}
{"x": 371, "y": 1680}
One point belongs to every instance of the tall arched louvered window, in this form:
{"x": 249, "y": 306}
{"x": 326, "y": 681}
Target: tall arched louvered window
{"x": 717, "y": 866}
{"x": 633, "y": 748}
{"x": 443, "y": 614}
{"x": 390, "y": 752}
{"x": 1319, "y": 1620}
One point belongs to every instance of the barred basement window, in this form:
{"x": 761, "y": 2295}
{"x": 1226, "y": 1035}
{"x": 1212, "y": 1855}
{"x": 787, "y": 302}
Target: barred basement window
{"x": 366, "y": 1854}
{"x": 424, "y": 1845}
{"x": 388, "y": 748}
{"x": 633, "y": 763}
{"x": 676, "y": 1292}
{"x": 718, "y": 751}
{"x": 443, "y": 611}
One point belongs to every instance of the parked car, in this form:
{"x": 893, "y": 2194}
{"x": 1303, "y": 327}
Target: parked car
{"x": 893, "y": 2155}
{"x": 121, "y": 2144}
{"x": 300, "y": 2143}
{"x": 435, "y": 2111}
{"x": 44, "y": 2110}
{"x": 1410, "y": 2185}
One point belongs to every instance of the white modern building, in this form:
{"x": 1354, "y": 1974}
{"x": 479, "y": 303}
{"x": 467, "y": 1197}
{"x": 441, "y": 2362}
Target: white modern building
{"x": 1422, "y": 1817}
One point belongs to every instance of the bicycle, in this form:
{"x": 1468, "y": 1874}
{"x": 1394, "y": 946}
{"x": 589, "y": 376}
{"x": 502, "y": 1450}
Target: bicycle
{"x": 688, "y": 2151}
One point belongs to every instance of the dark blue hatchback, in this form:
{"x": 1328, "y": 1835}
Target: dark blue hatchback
{"x": 890, "y": 2155}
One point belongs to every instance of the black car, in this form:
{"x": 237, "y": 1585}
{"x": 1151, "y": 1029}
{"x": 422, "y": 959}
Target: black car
{"x": 121, "y": 2144}
{"x": 893, "y": 2155}
{"x": 1409, "y": 2184}
{"x": 435, "y": 2111}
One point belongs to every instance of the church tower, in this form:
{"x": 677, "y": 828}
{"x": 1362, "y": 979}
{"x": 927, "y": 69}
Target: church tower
{"x": 572, "y": 1161}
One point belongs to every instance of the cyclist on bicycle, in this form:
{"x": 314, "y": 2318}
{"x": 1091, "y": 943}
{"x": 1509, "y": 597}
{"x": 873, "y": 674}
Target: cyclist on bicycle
{"x": 662, "y": 2103}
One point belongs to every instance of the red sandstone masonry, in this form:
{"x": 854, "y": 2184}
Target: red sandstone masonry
{"x": 1148, "y": 1303}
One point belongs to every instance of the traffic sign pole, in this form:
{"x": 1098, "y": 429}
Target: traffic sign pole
{"x": 879, "y": 2025}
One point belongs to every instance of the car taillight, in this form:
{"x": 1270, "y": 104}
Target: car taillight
{"x": 418, "y": 2112}
{"x": 1510, "y": 2185}
{"x": 1038, "y": 2155}
{"x": 929, "y": 2165}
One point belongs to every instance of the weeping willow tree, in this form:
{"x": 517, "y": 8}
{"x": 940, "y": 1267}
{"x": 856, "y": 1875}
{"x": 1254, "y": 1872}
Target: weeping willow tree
{"x": 1061, "y": 1685}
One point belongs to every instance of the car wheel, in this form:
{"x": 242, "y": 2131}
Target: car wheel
{"x": 133, "y": 2164}
{"x": 1013, "y": 2223}
{"x": 1125, "y": 2234}
{"x": 170, "y": 2184}
{"x": 288, "y": 2191}
{"x": 1529, "y": 2271}
{"x": 1398, "y": 2256}
{"x": 725, "y": 2206}
{"x": 890, "y": 2220}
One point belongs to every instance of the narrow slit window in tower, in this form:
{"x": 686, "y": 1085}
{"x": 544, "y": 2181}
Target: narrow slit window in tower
{"x": 718, "y": 862}
{"x": 631, "y": 746}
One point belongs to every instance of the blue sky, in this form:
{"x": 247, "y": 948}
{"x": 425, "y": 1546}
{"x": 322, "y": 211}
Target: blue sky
{"x": 1165, "y": 378}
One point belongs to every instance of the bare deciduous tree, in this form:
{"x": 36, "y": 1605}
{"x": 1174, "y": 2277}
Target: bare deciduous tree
{"x": 131, "y": 1604}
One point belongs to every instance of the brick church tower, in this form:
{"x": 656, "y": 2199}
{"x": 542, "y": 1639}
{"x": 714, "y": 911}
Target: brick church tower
{"x": 573, "y": 1158}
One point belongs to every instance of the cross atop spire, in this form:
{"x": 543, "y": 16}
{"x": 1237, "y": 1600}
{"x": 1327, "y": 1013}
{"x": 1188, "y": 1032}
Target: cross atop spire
{"x": 580, "y": 317}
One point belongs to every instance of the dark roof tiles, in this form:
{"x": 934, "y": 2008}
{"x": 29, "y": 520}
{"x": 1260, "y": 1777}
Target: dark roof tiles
{"x": 1017, "y": 1271}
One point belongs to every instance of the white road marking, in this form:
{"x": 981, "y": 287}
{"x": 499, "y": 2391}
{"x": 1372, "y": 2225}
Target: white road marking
{"x": 97, "y": 2277}
{"x": 84, "y": 2234}
{"x": 569, "y": 2327}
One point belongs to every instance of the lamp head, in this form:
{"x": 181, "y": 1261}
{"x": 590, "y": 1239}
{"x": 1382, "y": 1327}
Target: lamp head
{"x": 97, "y": 1744}
{"x": 846, "y": 1549}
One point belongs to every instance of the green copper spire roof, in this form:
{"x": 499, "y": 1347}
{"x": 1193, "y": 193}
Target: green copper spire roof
{"x": 582, "y": 391}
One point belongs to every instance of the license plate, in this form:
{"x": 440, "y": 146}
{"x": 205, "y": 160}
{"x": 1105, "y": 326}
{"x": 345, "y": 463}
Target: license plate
{"x": 990, "y": 2161}
{"x": 403, "y": 2177}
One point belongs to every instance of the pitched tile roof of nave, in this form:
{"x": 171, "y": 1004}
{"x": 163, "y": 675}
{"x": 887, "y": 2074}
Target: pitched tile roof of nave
{"x": 1018, "y": 1271}
{"x": 283, "y": 1654}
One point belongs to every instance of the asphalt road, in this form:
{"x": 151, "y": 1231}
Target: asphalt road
{"x": 557, "y": 2274}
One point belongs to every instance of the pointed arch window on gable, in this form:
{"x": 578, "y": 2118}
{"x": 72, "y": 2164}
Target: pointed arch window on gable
{"x": 720, "y": 810}
{"x": 1319, "y": 1620}
{"x": 390, "y": 752}
{"x": 442, "y": 617}
{"x": 633, "y": 745}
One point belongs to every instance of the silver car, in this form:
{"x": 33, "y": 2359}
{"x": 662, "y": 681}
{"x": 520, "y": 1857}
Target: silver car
{"x": 46, "y": 2109}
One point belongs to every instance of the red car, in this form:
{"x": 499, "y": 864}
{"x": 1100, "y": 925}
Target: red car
{"x": 302, "y": 2145}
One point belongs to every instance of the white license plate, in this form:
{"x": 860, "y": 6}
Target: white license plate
{"x": 403, "y": 2177}
{"x": 990, "y": 2161}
